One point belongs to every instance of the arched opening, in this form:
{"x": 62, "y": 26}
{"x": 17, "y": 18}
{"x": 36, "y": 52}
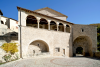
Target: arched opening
{"x": 68, "y": 28}
{"x": 61, "y": 27}
{"x": 53, "y": 26}
{"x": 2, "y": 22}
{"x": 31, "y": 21}
{"x": 79, "y": 51}
{"x": 85, "y": 43}
{"x": 43, "y": 24}
{"x": 38, "y": 47}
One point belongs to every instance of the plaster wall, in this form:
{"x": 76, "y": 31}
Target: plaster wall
{"x": 14, "y": 25}
{"x": 53, "y": 14}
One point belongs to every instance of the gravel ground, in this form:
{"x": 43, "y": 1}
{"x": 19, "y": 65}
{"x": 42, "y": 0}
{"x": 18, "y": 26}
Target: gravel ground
{"x": 54, "y": 62}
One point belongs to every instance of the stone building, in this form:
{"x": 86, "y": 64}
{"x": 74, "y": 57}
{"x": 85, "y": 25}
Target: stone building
{"x": 8, "y": 32}
{"x": 46, "y": 32}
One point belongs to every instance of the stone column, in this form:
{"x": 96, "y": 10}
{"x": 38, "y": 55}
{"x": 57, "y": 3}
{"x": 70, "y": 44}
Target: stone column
{"x": 57, "y": 26}
{"x": 64, "y": 27}
{"x": 49, "y": 24}
{"x": 38, "y": 23}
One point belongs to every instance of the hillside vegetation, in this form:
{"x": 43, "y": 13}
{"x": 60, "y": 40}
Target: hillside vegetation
{"x": 98, "y": 35}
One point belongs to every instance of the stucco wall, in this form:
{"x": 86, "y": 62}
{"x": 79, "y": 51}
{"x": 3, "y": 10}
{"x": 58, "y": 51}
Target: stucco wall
{"x": 53, "y": 14}
{"x": 54, "y": 40}
{"x": 14, "y": 25}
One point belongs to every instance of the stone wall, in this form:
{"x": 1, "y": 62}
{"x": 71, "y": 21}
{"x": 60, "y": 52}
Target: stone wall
{"x": 54, "y": 39}
{"x": 87, "y": 31}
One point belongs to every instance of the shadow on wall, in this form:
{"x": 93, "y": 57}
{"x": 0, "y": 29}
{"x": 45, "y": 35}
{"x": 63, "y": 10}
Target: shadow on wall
{"x": 9, "y": 36}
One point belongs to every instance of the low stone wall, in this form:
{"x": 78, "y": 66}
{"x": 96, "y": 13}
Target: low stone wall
{"x": 97, "y": 54}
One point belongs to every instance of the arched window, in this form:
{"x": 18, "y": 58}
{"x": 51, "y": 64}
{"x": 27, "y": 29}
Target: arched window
{"x": 68, "y": 28}
{"x": 31, "y": 21}
{"x": 2, "y": 22}
{"x": 53, "y": 26}
{"x": 61, "y": 27}
{"x": 43, "y": 24}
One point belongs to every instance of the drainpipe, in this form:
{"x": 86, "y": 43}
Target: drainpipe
{"x": 0, "y": 18}
{"x": 20, "y": 36}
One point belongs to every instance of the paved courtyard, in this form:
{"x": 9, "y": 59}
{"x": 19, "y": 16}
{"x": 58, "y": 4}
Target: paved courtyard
{"x": 54, "y": 62}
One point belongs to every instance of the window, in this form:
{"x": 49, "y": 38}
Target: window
{"x": 57, "y": 49}
{"x": 38, "y": 44}
{"x": 2, "y": 22}
{"x": 82, "y": 30}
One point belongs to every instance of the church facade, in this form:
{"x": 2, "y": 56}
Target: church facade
{"x": 46, "y": 32}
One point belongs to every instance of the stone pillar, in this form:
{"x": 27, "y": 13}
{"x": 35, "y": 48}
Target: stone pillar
{"x": 57, "y": 26}
{"x": 38, "y": 23}
{"x": 64, "y": 27}
{"x": 48, "y": 25}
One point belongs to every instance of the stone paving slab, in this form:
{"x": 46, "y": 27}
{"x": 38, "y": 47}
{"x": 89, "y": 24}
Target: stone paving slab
{"x": 54, "y": 62}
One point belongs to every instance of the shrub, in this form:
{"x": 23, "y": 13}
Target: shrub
{"x": 7, "y": 57}
{"x": 10, "y": 47}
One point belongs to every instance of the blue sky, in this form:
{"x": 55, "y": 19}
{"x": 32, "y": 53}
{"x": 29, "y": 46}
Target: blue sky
{"x": 78, "y": 11}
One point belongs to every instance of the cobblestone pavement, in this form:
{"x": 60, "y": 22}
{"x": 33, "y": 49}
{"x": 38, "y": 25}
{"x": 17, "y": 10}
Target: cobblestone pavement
{"x": 54, "y": 62}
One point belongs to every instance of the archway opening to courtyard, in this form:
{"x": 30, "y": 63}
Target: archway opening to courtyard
{"x": 61, "y": 27}
{"x": 79, "y": 51}
{"x": 68, "y": 28}
{"x": 38, "y": 47}
{"x": 43, "y": 24}
{"x": 82, "y": 45}
{"x": 53, "y": 26}
{"x": 31, "y": 21}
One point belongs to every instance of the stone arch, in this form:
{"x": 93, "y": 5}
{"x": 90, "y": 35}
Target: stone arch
{"x": 43, "y": 23}
{"x": 53, "y": 26}
{"x": 37, "y": 47}
{"x": 84, "y": 42}
{"x": 61, "y": 27}
{"x": 68, "y": 28}
{"x": 31, "y": 21}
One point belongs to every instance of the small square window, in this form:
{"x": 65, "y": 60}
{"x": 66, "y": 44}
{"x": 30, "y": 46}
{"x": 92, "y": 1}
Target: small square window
{"x": 57, "y": 49}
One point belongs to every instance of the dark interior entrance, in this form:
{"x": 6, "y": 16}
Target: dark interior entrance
{"x": 79, "y": 51}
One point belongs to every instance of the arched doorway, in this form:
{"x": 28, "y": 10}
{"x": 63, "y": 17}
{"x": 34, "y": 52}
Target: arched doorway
{"x": 53, "y": 26}
{"x": 37, "y": 47}
{"x": 79, "y": 51}
{"x": 43, "y": 24}
{"x": 61, "y": 27}
{"x": 84, "y": 43}
{"x": 31, "y": 21}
